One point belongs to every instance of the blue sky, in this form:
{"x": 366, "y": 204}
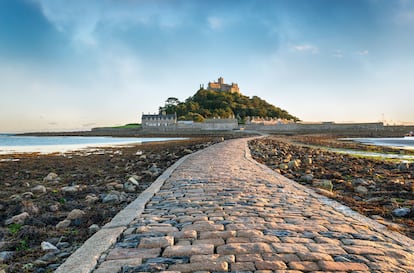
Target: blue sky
{"x": 79, "y": 64}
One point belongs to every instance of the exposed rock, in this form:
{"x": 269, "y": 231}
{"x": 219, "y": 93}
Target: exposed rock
{"x": 5, "y": 255}
{"x": 134, "y": 180}
{"x": 54, "y": 207}
{"x": 154, "y": 169}
{"x": 93, "y": 229}
{"x": 307, "y": 178}
{"x": 283, "y": 166}
{"x": 188, "y": 151}
{"x": 360, "y": 181}
{"x": 39, "y": 189}
{"x": 18, "y": 219}
{"x": 401, "y": 212}
{"x": 403, "y": 166}
{"x": 70, "y": 189}
{"x": 46, "y": 259}
{"x": 294, "y": 164}
{"x": 75, "y": 214}
{"x": 27, "y": 195}
{"x": 16, "y": 198}
{"x": 130, "y": 187}
{"x": 91, "y": 198}
{"x": 52, "y": 177}
{"x": 30, "y": 207}
{"x": 307, "y": 161}
{"x": 361, "y": 190}
{"x": 114, "y": 197}
{"x": 46, "y": 246}
{"x": 323, "y": 184}
{"x": 63, "y": 224}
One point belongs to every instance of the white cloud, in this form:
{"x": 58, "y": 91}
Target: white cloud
{"x": 363, "y": 52}
{"x": 338, "y": 54}
{"x": 306, "y": 48}
{"x": 214, "y": 22}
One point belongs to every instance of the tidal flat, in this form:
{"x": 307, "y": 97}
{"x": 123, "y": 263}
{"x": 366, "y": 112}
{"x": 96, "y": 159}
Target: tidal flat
{"x": 50, "y": 204}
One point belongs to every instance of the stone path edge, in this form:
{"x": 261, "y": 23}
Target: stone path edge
{"x": 401, "y": 238}
{"x": 85, "y": 258}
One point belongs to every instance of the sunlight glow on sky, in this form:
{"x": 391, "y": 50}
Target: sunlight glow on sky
{"x": 70, "y": 65}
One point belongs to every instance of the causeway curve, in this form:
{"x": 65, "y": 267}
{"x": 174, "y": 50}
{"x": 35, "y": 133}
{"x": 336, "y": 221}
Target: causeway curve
{"x": 218, "y": 210}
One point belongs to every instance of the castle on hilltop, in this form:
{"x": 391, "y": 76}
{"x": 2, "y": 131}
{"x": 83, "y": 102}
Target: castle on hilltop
{"x": 222, "y": 87}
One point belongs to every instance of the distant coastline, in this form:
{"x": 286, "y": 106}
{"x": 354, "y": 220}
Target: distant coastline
{"x": 348, "y": 130}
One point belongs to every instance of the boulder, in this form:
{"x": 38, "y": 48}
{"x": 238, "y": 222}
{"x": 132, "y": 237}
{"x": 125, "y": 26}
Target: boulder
{"x": 403, "y": 166}
{"x": 27, "y": 195}
{"x": 5, "y": 256}
{"x": 51, "y": 177}
{"x": 130, "y": 187}
{"x": 39, "y": 189}
{"x": 75, "y": 214}
{"x": 91, "y": 198}
{"x": 93, "y": 228}
{"x": 283, "y": 166}
{"x": 18, "y": 219}
{"x": 307, "y": 161}
{"x": 70, "y": 189}
{"x": 307, "y": 178}
{"x": 294, "y": 164}
{"x": 361, "y": 190}
{"x": 401, "y": 212}
{"x": 323, "y": 184}
{"x": 114, "y": 197}
{"x": 46, "y": 246}
{"x": 134, "y": 180}
{"x": 63, "y": 224}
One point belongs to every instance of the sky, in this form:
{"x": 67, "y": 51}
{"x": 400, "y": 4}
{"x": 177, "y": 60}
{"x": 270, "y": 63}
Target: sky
{"x": 75, "y": 64}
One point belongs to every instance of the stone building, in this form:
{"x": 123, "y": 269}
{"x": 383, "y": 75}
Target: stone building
{"x": 158, "y": 120}
{"x": 223, "y": 87}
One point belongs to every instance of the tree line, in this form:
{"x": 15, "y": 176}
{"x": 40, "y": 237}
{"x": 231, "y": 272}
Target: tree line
{"x": 215, "y": 104}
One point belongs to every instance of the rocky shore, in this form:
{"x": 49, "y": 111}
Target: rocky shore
{"x": 50, "y": 204}
{"x": 382, "y": 190}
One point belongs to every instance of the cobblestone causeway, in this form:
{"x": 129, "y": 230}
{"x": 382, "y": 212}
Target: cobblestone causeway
{"x": 222, "y": 212}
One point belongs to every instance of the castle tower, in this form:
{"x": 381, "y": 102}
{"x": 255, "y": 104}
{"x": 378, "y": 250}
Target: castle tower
{"x": 221, "y": 80}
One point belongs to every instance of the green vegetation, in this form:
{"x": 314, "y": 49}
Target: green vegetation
{"x": 212, "y": 104}
{"x": 128, "y": 126}
{"x": 14, "y": 228}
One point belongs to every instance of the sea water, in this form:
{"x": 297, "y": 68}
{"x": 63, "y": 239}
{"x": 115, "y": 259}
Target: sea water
{"x": 400, "y": 142}
{"x": 44, "y": 144}
{"x": 405, "y": 143}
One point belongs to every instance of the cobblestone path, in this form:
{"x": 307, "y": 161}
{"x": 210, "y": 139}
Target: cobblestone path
{"x": 220, "y": 211}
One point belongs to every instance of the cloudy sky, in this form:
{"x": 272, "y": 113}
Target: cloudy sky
{"x": 76, "y": 64}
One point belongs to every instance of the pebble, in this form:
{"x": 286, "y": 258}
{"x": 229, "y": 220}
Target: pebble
{"x": 361, "y": 190}
{"x": 70, "y": 189}
{"x": 63, "y": 224}
{"x": 6, "y": 255}
{"x": 401, "y": 212}
{"x": 17, "y": 219}
{"x": 91, "y": 198}
{"x": 75, "y": 214}
{"x": 46, "y": 246}
{"x": 323, "y": 184}
{"x": 93, "y": 228}
{"x": 51, "y": 177}
{"x": 39, "y": 189}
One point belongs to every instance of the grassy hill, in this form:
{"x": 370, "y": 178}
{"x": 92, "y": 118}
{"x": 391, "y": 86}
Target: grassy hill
{"x": 213, "y": 104}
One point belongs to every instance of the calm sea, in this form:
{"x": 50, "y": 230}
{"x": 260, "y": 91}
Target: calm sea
{"x": 401, "y": 143}
{"x": 12, "y": 143}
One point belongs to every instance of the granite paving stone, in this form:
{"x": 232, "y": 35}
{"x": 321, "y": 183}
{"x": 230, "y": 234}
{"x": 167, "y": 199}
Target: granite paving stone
{"x": 220, "y": 211}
